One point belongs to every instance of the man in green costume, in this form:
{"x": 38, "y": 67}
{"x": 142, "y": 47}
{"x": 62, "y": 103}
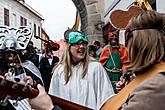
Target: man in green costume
{"x": 114, "y": 57}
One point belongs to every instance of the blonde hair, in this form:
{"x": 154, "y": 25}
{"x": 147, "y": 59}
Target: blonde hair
{"x": 66, "y": 60}
{"x": 147, "y": 45}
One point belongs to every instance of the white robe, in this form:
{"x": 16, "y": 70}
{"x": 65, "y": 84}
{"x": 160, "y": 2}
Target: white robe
{"x": 91, "y": 91}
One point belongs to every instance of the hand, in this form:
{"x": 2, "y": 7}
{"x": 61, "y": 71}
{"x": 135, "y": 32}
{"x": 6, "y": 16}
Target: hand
{"x": 120, "y": 84}
{"x": 29, "y": 80}
{"x": 42, "y": 101}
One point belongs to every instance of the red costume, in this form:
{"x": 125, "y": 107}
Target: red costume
{"x": 123, "y": 53}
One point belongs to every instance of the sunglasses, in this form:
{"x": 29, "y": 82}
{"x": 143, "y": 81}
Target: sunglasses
{"x": 78, "y": 44}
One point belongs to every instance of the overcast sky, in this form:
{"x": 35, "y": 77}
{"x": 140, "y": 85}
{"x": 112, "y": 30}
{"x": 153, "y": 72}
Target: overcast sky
{"x": 58, "y": 15}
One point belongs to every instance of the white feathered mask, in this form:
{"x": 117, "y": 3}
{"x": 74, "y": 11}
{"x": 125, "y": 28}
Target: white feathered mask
{"x": 14, "y": 38}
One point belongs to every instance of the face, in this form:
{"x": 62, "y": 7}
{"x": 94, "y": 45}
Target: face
{"x": 78, "y": 51}
{"x": 113, "y": 37}
{"x": 12, "y": 59}
{"x": 96, "y": 46}
{"x": 49, "y": 54}
{"x": 92, "y": 53}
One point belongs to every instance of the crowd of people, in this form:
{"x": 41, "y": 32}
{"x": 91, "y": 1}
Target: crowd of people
{"x": 91, "y": 75}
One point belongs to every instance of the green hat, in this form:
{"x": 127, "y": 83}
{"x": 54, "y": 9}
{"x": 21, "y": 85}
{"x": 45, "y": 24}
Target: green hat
{"x": 74, "y": 37}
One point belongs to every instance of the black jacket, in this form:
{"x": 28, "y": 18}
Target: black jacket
{"x": 46, "y": 69}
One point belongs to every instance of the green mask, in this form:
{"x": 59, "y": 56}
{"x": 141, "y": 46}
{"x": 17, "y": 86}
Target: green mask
{"x": 74, "y": 37}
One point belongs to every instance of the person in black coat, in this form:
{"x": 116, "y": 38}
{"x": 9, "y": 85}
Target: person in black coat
{"x": 21, "y": 69}
{"x": 31, "y": 55}
{"x": 46, "y": 65}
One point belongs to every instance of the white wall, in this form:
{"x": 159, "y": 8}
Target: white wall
{"x": 123, "y": 4}
{"x": 160, "y": 6}
{"x": 15, "y": 11}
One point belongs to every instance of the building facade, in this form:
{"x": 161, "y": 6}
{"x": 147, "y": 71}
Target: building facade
{"x": 15, "y": 13}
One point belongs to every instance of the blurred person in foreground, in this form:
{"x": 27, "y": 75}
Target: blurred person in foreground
{"x": 146, "y": 46}
{"x": 78, "y": 78}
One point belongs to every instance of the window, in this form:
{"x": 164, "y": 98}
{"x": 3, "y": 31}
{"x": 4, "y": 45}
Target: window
{"x": 38, "y": 31}
{"x": 14, "y": 20}
{"x": 34, "y": 29}
{"x": 23, "y": 21}
{"x": 6, "y": 17}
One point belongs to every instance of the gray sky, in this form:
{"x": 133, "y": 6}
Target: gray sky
{"x": 58, "y": 15}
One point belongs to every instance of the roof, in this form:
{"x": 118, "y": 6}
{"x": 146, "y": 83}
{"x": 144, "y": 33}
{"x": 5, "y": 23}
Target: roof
{"x": 28, "y": 7}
